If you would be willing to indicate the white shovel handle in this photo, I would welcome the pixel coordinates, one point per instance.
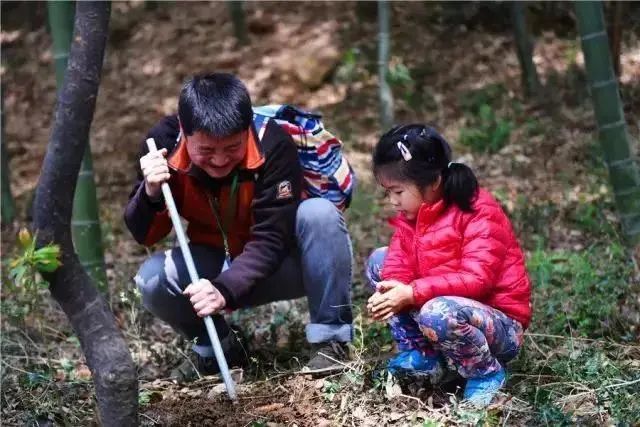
(193, 274)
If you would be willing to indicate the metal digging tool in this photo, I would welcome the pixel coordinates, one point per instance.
(193, 274)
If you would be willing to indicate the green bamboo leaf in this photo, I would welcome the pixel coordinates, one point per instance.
(50, 252)
(47, 265)
(17, 272)
(19, 275)
(25, 238)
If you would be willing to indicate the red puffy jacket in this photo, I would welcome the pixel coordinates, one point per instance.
(448, 252)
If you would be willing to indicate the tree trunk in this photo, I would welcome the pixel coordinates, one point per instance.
(85, 223)
(106, 351)
(386, 96)
(624, 172)
(237, 19)
(524, 47)
(8, 206)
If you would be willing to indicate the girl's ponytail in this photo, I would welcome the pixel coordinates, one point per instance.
(460, 186)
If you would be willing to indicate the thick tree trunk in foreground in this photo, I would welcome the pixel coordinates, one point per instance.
(106, 351)
(624, 172)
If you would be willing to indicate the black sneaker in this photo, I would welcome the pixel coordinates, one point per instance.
(327, 357)
(195, 366)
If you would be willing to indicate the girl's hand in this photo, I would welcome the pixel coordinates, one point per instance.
(391, 297)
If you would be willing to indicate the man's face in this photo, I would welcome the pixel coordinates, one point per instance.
(217, 156)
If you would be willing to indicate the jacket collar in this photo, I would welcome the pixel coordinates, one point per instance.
(427, 215)
(180, 161)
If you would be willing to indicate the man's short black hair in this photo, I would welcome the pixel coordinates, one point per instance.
(217, 104)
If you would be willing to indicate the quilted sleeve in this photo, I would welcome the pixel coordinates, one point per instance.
(398, 265)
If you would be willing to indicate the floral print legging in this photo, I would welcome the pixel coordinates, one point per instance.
(474, 339)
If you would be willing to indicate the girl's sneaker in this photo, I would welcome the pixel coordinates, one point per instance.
(415, 363)
(480, 391)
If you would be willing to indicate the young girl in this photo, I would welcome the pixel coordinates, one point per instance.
(452, 283)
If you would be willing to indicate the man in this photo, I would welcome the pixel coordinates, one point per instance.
(242, 199)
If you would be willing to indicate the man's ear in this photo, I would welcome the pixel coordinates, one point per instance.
(181, 132)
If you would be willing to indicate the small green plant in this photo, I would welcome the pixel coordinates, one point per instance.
(330, 389)
(404, 85)
(487, 131)
(472, 101)
(531, 219)
(146, 397)
(590, 218)
(550, 415)
(25, 281)
(399, 75)
(349, 69)
(534, 127)
(373, 337)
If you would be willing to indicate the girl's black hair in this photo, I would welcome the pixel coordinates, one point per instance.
(427, 156)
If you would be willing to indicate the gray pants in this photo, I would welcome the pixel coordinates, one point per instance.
(318, 266)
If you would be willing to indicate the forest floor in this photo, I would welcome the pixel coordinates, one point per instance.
(581, 362)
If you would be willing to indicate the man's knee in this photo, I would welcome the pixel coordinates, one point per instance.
(438, 319)
(318, 215)
(374, 266)
(149, 278)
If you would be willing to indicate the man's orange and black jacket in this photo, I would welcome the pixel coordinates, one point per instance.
(261, 230)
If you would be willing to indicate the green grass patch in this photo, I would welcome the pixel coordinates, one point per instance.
(579, 293)
(487, 131)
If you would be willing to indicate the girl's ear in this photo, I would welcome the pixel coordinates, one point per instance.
(432, 191)
(436, 185)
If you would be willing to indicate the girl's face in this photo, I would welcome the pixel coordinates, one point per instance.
(406, 197)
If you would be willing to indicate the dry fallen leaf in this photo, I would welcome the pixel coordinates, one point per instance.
(269, 408)
(83, 372)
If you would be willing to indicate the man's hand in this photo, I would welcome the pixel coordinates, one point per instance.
(206, 299)
(155, 170)
(390, 298)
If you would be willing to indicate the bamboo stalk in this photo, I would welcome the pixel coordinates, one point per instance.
(238, 20)
(524, 48)
(624, 172)
(386, 96)
(85, 223)
(8, 205)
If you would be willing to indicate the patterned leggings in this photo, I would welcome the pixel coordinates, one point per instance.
(474, 339)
